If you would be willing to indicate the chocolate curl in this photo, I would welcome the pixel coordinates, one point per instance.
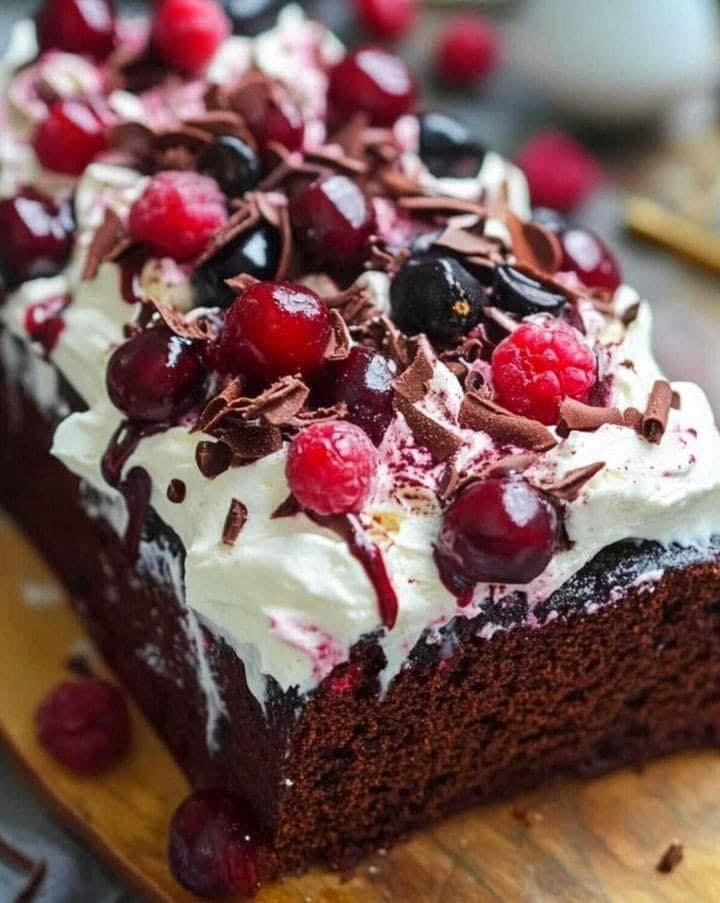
(235, 520)
(575, 415)
(212, 458)
(200, 329)
(532, 244)
(655, 419)
(339, 345)
(413, 383)
(251, 441)
(466, 243)
(220, 405)
(286, 240)
(482, 414)
(278, 404)
(245, 218)
(108, 243)
(633, 419)
(289, 508)
(424, 204)
(571, 485)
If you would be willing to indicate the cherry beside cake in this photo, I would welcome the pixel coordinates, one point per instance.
(360, 471)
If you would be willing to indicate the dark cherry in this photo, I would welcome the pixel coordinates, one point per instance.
(215, 845)
(588, 257)
(446, 147)
(155, 375)
(44, 321)
(333, 220)
(550, 219)
(78, 26)
(364, 382)
(437, 296)
(278, 120)
(498, 530)
(374, 81)
(521, 294)
(84, 724)
(250, 17)
(256, 252)
(36, 236)
(274, 329)
(232, 163)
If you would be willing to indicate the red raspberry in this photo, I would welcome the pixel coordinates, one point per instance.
(389, 19)
(560, 172)
(178, 213)
(468, 50)
(84, 724)
(77, 26)
(331, 467)
(186, 33)
(70, 137)
(539, 365)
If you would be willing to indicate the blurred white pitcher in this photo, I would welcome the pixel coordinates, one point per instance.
(616, 60)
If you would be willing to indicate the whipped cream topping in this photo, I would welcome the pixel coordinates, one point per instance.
(289, 595)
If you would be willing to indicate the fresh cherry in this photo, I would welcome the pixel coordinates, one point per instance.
(589, 258)
(256, 253)
(84, 724)
(85, 27)
(274, 329)
(521, 294)
(70, 137)
(277, 120)
(363, 381)
(215, 845)
(187, 33)
(446, 147)
(437, 296)
(333, 220)
(36, 236)
(374, 81)
(390, 19)
(155, 375)
(497, 530)
(232, 163)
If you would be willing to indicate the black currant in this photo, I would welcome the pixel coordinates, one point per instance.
(232, 163)
(521, 294)
(447, 148)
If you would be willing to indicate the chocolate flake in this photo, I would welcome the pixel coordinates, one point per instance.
(252, 441)
(633, 419)
(108, 237)
(221, 404)
(286, 244)
(245, 218)
(425, 204)
(428, 432)
(501, 318)
(413, 383)
(656, 414)
(213, 458)
(630, 314)
(466, 243)
(339, 345)
(234, 522)
(176, 491)
(279, 403)
(571, 485)
(532, 244)
(288, 508)
(671, 858)
(506, 428)
(198, 329)
(575, 415)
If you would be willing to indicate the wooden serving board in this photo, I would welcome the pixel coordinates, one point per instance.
(574, 840)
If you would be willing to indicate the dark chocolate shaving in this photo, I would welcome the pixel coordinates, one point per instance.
(278, 404)
(448, 482)
(245, 218)
(431, 434)
(425, 204)
(571, 485)
(109, 236)
(235, 520)
(656, 413)
(501, 318)
(176, 491)
(575, 415)
(633, 419)
(213, 458)
(671, 858)
(289, 508)
(286, 243)
(251, 441)
(532, 244)
(412, 384)
(467, 243)
(221, 404)
(339, 345)
(199, 329)
(630, 314)
(482, 414)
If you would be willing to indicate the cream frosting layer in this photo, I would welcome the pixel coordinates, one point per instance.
(289, 595)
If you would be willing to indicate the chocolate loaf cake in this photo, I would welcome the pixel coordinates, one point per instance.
(362, 477)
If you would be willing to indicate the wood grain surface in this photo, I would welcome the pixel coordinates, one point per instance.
(570, 841)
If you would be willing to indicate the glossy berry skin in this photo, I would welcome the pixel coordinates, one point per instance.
(363, 381)
(279, 120)
(589, 258)
(469, 49)
(275, 329)
(559, 171)
(85, 27)
(497, 530)
(331, 468)
(520, 294)
(539, 365)
(70, 137)
(388, 19)
(178, 214)
(437, 296)
(250, 17)
(232, 163)
(446, 147)
(256, 253)
(333, 220)
(374, 81)
(215, 845)
(84, 724)
(36, 237)
(155, 376)
(187, 33)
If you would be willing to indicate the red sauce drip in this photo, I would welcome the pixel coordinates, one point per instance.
(348, 526)
(453, 584)
(44, 321)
